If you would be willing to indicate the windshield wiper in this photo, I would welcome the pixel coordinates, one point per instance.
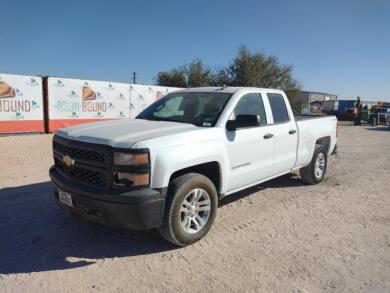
(146, 118)
(168, 119)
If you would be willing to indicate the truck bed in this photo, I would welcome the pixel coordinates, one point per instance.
(307, 117)
(310, 128)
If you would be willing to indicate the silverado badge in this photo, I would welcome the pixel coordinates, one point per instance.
(68, 161)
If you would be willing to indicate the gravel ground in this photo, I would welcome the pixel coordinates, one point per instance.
(281, 236)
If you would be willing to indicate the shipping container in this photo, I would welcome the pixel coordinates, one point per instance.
(344, 105)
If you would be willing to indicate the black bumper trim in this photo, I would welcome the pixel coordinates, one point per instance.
(139, 209)
(118, 195)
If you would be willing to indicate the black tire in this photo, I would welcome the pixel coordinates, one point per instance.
(308, 174)
(178, 190)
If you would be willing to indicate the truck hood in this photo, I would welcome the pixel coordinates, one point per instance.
(122, 133)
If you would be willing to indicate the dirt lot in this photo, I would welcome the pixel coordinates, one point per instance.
(282, 236)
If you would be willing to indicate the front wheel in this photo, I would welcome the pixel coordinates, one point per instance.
(315, 172)
(191, 207)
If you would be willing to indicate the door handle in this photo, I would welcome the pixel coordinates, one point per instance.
(268, 135)
(292, 131)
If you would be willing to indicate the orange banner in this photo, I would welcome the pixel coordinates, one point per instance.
(22, 126)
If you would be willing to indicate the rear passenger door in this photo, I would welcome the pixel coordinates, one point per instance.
(285, 133)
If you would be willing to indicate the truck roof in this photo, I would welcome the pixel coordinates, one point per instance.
(227, 89)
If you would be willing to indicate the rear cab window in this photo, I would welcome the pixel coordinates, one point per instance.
(278, 108)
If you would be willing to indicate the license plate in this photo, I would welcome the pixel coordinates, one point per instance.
(65, 198)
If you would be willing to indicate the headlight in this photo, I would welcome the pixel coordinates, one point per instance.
(132, 169)
(131, 159)
(131, 179)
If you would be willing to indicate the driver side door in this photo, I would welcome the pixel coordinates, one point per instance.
(250, 150)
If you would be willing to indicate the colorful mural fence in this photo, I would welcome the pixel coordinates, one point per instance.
(141, 96)
(75, 101)
(39, 104)
(21, 104)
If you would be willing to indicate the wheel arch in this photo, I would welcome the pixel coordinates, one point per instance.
(211, 170)
(325, 142)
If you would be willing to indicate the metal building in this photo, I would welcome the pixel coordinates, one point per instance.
(317, 102)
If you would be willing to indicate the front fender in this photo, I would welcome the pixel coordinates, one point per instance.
(169, 160)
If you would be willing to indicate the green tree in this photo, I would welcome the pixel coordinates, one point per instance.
(259, 70)
(221, 77)
(198, 74)
(175, 77)
(246, 69)
(195, 74)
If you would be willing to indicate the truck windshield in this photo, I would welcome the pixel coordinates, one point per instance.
(200, 109)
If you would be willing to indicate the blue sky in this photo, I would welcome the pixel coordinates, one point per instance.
(340, 47)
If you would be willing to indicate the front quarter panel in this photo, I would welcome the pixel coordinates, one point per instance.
(171, 154)
(170, 160)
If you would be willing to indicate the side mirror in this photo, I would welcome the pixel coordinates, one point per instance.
(243, 121)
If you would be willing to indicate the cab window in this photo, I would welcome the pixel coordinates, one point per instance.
(279, 108)
(250, 104)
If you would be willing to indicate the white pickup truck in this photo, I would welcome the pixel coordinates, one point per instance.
(167, 168)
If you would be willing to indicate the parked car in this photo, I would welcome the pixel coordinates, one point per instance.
(167, 168)
(382, 113)
(379, 116)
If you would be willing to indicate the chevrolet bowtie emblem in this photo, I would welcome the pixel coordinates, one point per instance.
(68, 161)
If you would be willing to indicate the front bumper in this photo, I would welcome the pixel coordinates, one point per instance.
(139, 209)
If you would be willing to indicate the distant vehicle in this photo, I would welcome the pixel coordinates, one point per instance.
(379, 116)
(167, 168)
(382, 113)
(387, 118)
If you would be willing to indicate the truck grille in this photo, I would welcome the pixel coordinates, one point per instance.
(80, 174)
(76, 153)
(90, 161)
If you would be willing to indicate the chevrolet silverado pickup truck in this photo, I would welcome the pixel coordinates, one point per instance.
(168, 168)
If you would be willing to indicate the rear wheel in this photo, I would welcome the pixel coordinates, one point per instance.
(190, 211)
(314, 173)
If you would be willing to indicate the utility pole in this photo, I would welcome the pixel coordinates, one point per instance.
(134, 74)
